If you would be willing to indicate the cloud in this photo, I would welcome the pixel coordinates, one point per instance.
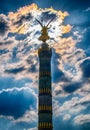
(4, 51)
(21, 15)
(6, 123)
(6, 42)
(69, 67)
(23, 21)
(71, 87)
(65, 46)
(84, 90)
(15, 71)
(24, 40)
(82, 119)
(67, 117)
(33, 128)
(9, 123)
(77, 55)
(85, 68)
(11, 82)
(29, 117)
(71, 104)
(4, 24)
(10, 107)
(17, 60)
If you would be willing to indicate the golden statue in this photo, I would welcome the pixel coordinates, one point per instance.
(44, 32)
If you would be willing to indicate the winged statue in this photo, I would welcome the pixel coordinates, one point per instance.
(44, 31)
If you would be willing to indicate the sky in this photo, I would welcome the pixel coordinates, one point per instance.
(19, 64)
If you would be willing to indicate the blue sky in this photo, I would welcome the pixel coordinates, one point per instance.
(19, 65)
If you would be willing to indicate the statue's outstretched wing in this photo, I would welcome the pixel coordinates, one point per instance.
(50, 22)
(39, 23)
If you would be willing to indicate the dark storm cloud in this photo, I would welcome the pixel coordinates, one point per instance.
(20, 36)
(26, 49)
(33, 68)
(23, 18)
(47, 16)
(15, 70)
(14, 54)
(57, 92)
(6, 43)
(72, 87)
(3, 25)
(16, 103)
(85, 66)
(30, 59)
(4, 51)
(84, 103)
(17, 36)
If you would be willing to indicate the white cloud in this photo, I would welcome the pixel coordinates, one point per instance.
(67, 117)
(29, 117)
(58, 90)
(71, 107)
(15, 89)
(84, 90)
(82, 119)
(8, 117)
(32, 129)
